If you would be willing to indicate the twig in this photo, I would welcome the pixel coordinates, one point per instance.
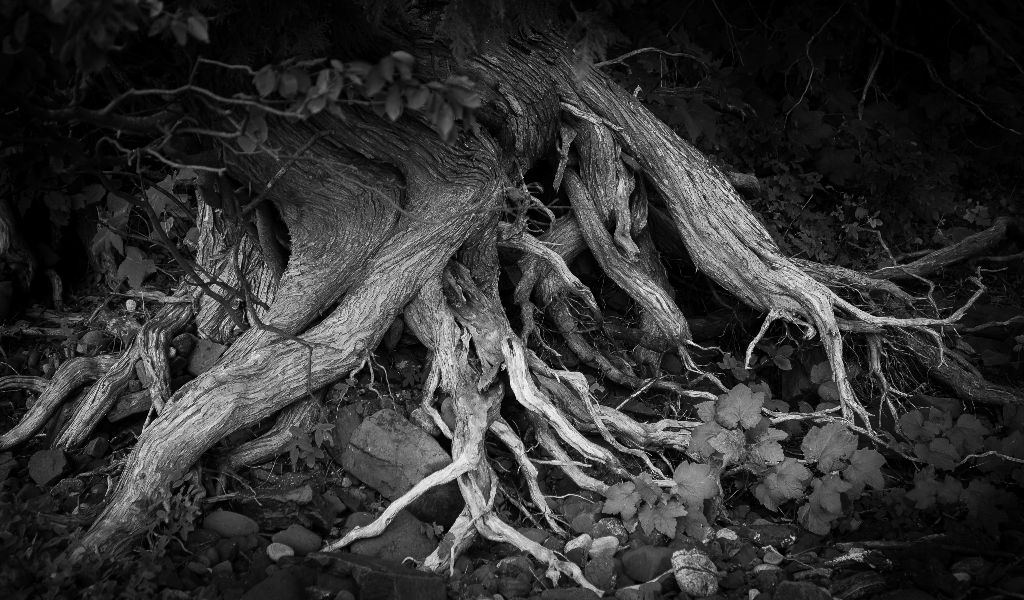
(628, 55)
(807, 51)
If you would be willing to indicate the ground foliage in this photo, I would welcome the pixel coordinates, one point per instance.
(870, 141)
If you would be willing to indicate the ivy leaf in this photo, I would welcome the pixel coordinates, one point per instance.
(732, 445)
(197, 28)
(865, 470)
(829, 446)
(968, 436)
(621, 499)
(988, 505)
(736, 367)
(135, 267)
(393, 104)
(824, 506)
(706, 411)
(821, 373)
(664, 517)
(740, 407)
(787, 481)
(265, 81)
(696, 482)
(939, 452)
(648, 490)
(646, 518)
(700, 446)
(766, 449)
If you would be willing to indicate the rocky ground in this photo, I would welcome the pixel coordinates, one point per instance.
(255, 533)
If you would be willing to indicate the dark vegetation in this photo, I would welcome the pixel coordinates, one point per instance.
(230, 229)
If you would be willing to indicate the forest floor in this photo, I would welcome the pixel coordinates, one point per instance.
(253, 533)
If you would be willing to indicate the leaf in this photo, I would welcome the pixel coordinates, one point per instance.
(939, 452)
(695, 483)
(646, 518)
(700, 446)
(288, 84)
(824, 505)
(393, 105)
(197, 28)
(45, 466)
(648, 490)
(621, 499)
(105, 239)
(445, 122)
(664, 517)
(829, 446)
(968, 436)
(135, 267)
(787, 481)
(865, 470)
(767, 450)
(821, 373)
(732, 445)
(706, 411)
(265, 81)
(740, 407)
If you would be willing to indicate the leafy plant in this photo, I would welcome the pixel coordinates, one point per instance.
(306, 447)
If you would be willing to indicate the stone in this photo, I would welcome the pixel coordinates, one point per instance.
(769, 534)
(383, 579)
(97, 447)
(641, 591)
(534, 534)
(276, 551)
(800, 590)
(604, 546)
(279, 585)
(695, 572)
(204, 356)
(230, 524)
(345, 423)
(773, 556)
(227, 549)
(600, 571)
(733, 580)
(646, 562)
(610, 526)
(578, 547)
(569, 593)
(405, 537)
(391, 455)
(302, 540)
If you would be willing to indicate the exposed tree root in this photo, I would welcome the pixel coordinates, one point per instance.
(384, 218)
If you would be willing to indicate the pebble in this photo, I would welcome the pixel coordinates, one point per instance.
(605, 546)
(300, 539)
(646, 562)
(276, 551)
(695, 572)
(229, 524)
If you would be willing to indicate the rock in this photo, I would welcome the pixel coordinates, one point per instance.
(230, 524)
(46, 466)
(695, 572)
(279, 585)
(641, 591)
(569, 593)
(382, 579)
(201, 539)
(405, 537)
(733, 580)
(600, 571)
(302, 540)
(227, 549)
(769, 534)
(345, 423)
(610, 526)
(97, 447)
(222, 568)
(800, 590)
(604, 546)
(745, 556)
(276, 551)
(358, 519)
(583, 522)
(578, 547)
(534, 534)
(390, 454)
(183, 344)
(863, 584)
(204, 356)
(773, 556)
(646, 562)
